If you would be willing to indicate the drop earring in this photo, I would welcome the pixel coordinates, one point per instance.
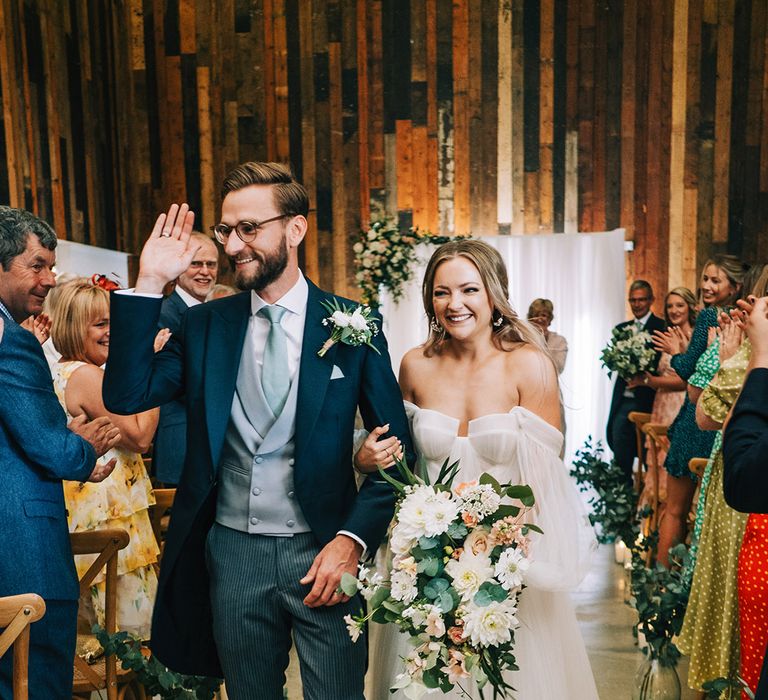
(498, 322)
(435, 326)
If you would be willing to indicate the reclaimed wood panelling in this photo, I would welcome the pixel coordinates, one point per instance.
(495, 116)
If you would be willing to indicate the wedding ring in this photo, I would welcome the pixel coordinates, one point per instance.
(165, 234)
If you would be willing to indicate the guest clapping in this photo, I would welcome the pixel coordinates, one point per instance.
(81, 334)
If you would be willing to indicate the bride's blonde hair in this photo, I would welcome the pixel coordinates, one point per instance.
(489, 263)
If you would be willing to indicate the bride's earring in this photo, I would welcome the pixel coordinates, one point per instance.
(499, 321)
(435, 326)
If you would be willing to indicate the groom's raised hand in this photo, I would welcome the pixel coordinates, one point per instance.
(338, 557)
(168, 251)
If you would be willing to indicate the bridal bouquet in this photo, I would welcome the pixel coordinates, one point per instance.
(459, 561)
(629, 353)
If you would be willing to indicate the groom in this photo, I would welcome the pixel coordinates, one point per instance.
(267, 516)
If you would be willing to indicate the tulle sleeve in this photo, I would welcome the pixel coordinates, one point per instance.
(561, 557)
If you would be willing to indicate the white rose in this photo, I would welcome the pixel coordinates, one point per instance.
(358, 322)
(340, 319)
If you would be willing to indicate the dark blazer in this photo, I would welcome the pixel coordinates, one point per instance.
(169, 446)
(745, 462)
(202, 362)
(643, 394)
(37, 451)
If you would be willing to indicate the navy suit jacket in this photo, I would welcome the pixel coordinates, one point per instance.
(37, 451)
(201, 363)
(170, 447)
(643, 394)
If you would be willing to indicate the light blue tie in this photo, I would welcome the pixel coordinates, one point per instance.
(275, 379)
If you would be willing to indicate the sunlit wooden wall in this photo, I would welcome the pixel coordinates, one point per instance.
(482, 117)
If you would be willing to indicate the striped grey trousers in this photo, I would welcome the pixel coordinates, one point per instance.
(257, 603)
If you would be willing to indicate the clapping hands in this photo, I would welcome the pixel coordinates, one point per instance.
(672, 341)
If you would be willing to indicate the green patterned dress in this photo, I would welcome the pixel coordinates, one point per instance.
(710, 634)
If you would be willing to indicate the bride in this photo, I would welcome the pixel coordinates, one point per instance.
(483, 390)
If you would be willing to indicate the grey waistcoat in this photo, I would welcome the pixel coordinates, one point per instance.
(256, 493)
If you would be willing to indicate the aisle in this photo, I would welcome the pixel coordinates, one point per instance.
(606, 623)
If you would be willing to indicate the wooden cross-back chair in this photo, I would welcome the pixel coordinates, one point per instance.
(104, 674)
(639, 419)
(158, 516)
(17, 613)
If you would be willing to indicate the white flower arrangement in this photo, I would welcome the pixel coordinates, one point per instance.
(384, 257)
(460, 556)
(351, 325)
(629, 353)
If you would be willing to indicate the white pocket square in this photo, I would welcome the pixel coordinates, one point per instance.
(337, 373)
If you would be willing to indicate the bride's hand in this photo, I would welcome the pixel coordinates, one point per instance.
(375, 453)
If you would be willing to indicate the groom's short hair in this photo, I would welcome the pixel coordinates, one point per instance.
(290, 195)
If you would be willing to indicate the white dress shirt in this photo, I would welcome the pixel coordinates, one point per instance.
(186, 297)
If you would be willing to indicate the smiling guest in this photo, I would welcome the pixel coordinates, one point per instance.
(81, 334)
(192, 288)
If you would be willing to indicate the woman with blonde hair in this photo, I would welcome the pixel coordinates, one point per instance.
(483, 390)
(720, 286)
(679, 313)
(80, 333)
(541, 313)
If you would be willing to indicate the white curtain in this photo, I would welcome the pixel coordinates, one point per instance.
(583, 275)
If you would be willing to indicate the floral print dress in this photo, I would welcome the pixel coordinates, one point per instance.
(122, 500)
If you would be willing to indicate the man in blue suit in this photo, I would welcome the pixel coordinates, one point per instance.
(267, 516)
(37, 451)
(192, 287)
(620, 432)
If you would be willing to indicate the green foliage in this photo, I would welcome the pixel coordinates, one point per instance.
(384, 257)
(726, 689)
(629, 353)
(614, 504)
(156, 678)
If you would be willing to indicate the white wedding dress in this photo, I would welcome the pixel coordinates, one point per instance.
(520, 448)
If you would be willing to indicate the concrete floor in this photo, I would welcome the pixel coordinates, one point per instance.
(606, 623)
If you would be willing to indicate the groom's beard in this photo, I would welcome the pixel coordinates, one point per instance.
(269, 266)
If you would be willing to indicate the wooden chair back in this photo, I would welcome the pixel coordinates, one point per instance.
(658, 441)
(639, 419)
(106, 544)
(158, 516)
(17, 613)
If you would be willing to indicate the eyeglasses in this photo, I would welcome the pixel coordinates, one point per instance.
(246, 230)
(200, 264)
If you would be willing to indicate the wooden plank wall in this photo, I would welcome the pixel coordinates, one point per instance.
(487, 117)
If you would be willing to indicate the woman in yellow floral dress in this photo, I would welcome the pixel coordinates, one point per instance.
(80, 333)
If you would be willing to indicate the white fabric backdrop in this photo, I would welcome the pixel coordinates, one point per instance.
(583, 275)
(87, 260)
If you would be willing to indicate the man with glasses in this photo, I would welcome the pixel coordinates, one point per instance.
(267, 516)
(620, 432)
(192, 287)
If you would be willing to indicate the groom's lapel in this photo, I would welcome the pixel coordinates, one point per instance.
(315, 371)
(225, 335)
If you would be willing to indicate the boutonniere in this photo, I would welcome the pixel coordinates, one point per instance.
(350, 325)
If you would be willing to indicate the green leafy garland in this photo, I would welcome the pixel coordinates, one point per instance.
(153, 675)
(385, 256)
(659, 595)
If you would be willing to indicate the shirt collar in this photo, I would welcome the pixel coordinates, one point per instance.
(644, 319)
(5, 311)
(186, 297)
(294, 300)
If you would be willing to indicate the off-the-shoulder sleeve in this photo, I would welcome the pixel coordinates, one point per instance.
(723, 390)
(561, 557)
(684, 363)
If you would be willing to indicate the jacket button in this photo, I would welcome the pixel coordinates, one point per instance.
(256, 491)
(258, 460)
(290, 494)
(254, 521)
(291, 462)
(290, 523)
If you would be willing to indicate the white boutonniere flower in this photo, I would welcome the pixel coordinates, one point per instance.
(350, 325)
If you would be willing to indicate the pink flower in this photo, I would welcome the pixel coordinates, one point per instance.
(456, 670)
(456, 634)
